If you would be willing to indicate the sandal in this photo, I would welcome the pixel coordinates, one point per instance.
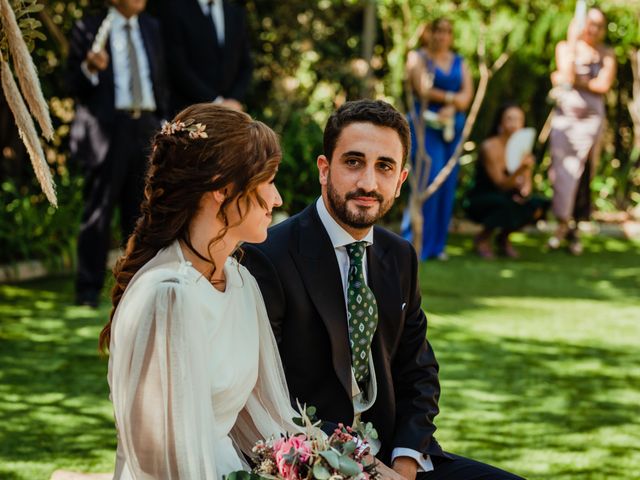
(506, 249)
(482, 246)
(575, 247)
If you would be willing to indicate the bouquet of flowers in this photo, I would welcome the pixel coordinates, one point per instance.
(313, 455)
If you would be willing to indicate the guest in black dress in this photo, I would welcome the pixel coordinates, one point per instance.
(499, 200)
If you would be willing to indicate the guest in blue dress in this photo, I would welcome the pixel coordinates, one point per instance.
(441, 82)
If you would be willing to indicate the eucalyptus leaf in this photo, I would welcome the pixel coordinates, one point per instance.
(332, 458)
(239, 475)
(348, 448)
(348, 466)
(321, 472)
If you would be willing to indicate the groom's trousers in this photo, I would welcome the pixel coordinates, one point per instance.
(461, 468)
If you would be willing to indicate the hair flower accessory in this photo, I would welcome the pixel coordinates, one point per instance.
(195, 130)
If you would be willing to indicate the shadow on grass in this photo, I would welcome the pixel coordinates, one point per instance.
(609, 269)
(560, 404)
(54, 406)
(545, 408)
(504, 398)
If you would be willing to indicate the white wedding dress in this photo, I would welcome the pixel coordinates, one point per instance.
(195, 374)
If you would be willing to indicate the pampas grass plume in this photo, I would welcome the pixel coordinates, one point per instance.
(25, 70)
(28, 133)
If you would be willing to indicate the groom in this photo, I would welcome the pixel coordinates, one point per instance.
(343, 298)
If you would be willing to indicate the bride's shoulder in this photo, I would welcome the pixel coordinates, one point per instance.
(242, 276)
(159, 281)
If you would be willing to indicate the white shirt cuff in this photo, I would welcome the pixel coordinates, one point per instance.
(424, 461)
(92, 77)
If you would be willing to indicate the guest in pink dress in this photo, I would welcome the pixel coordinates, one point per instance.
(586, 69)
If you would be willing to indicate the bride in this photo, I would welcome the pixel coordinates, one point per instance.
(194, 371)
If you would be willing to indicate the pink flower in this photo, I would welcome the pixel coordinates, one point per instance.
(283, 446)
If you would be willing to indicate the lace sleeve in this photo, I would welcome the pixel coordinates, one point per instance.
(160, 392)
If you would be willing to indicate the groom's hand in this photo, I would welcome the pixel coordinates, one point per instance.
(406, 467)
(387, 473)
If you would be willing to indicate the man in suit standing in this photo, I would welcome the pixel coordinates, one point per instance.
(344, 300)
(208, 50)
(120, 93)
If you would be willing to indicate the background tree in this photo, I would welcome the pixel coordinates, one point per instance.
(310, 57)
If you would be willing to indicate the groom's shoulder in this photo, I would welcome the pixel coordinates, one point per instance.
(391, 241)
(275, 249)
(280, 236)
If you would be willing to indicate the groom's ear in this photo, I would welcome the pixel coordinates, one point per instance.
(403, 176)
(323, 169)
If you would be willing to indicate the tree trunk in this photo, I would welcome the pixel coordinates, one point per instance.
(368, 42)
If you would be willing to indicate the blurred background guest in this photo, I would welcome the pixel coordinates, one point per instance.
(500, 200)
(586, 69)
(208, 49)
(447, 94)
(120, 93)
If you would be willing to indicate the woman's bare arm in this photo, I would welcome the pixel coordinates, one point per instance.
(602, 83)
(463, 98)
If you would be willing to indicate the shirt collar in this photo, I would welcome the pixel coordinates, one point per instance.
(119, 20)
(204, 4)
(338, 235)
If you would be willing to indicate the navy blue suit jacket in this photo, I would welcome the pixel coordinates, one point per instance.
(300, 281)
(91, 129)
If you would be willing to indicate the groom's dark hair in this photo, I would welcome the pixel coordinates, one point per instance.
(377, 112)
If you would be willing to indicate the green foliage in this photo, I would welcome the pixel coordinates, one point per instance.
(528, 31)
(298, 175)
(29, 26)
(243, 475)
(308, 58)
(31, 228)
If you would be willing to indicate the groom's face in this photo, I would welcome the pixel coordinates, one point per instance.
(363, 178)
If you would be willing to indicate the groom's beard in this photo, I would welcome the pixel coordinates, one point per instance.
(357, 217)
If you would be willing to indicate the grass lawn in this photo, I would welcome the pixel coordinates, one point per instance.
(540, 366)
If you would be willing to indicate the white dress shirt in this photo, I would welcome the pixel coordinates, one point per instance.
(217, 13)
(340, 239)
(121, 67)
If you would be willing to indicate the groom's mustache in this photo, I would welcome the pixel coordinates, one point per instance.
(362, 193)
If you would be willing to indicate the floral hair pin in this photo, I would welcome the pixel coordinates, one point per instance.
(195, 130)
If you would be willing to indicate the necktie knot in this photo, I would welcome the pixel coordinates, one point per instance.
(356, 252)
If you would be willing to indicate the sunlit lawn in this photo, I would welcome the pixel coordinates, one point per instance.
(540, 358)
(540, 366)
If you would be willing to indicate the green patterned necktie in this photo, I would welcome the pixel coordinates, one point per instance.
(362, 313)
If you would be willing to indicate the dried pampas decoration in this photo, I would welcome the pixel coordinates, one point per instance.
(28, 132)
(25, 70)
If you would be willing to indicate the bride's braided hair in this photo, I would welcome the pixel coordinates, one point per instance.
(236, 153)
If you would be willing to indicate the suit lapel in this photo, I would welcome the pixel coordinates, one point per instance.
(316, 261)
(108, 74)
(149, 48)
